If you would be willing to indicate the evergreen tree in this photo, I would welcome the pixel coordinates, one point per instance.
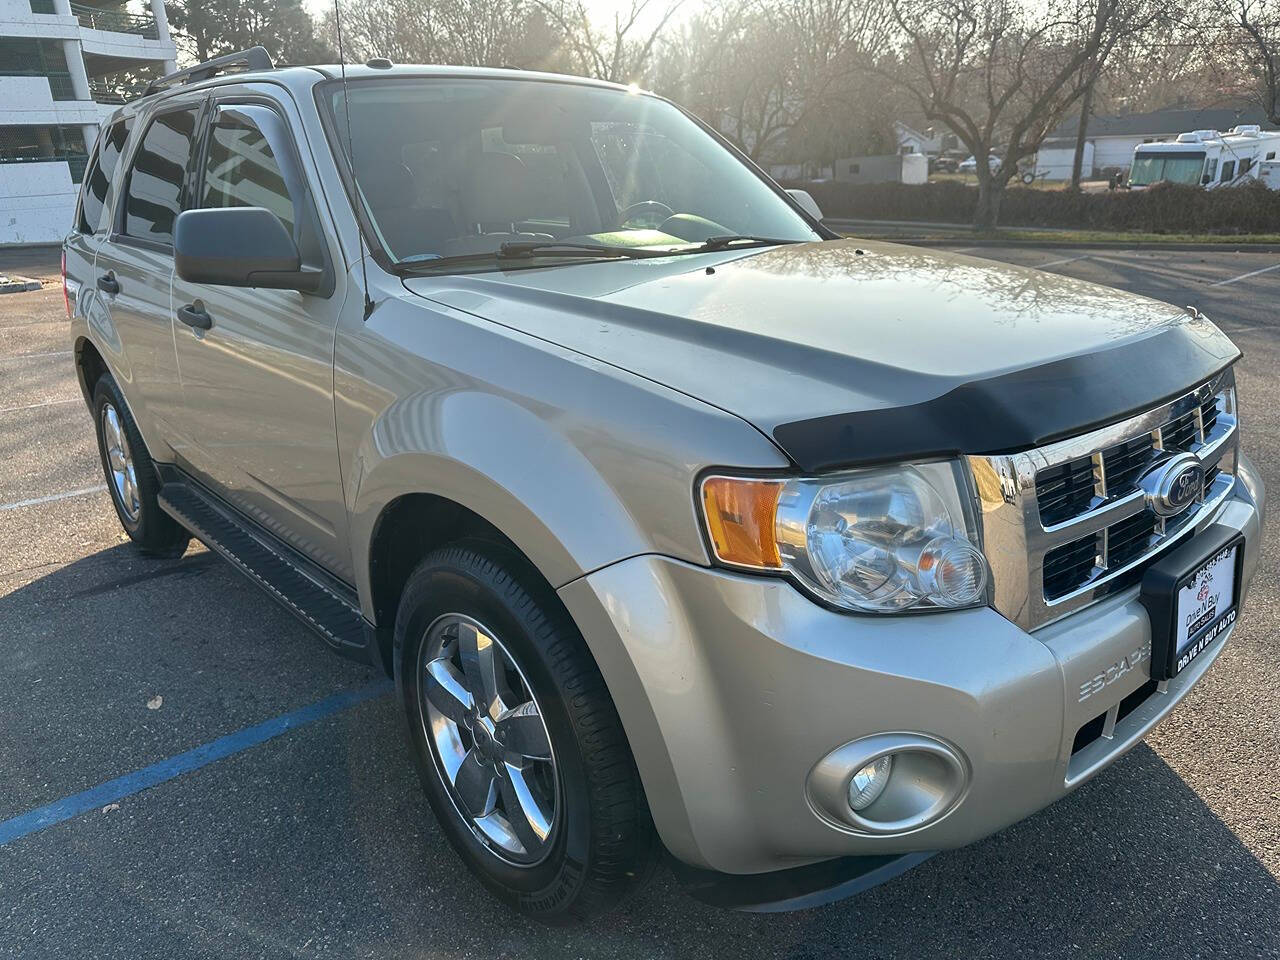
(207, 28)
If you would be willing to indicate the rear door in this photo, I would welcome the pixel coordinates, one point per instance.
(92, 224)
(258, 421)
(134, 266)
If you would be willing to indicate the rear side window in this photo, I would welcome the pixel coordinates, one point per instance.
(154, 196)
(242, 171)
(97, 181)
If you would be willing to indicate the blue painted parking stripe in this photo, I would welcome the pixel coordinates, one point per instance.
(176, 766)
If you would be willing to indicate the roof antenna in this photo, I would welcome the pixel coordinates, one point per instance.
(351, 157)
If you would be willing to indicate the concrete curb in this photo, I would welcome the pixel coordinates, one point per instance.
(18, 284)
(865, 229)
(1080, 245)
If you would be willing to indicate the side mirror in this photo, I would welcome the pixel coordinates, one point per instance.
(807, 203)
(239, 247)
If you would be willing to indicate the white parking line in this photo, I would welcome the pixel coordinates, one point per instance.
(1054, 263)
(32, 406)
(35, 501)
(33, 356)
(1246, 276)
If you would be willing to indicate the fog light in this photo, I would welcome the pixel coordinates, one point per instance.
(868, 783)
(888, 784)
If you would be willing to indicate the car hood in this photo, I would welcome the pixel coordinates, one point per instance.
(852, 351)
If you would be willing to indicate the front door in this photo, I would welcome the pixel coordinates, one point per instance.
(258, 419)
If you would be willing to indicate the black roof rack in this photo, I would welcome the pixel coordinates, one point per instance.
(255, 58)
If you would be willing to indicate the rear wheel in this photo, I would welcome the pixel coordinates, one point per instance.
(516, 741)
(131, 475)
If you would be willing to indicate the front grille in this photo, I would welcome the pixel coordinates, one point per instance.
(1077, 486)
(1068, 522)
(1065, 490)
(1129, 539)
(1068, 489)
(1074, 563)
(1068, 566)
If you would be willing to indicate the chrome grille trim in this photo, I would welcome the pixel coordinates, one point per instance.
(1017, 541)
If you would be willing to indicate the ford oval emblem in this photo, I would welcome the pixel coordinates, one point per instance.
(1174, 485)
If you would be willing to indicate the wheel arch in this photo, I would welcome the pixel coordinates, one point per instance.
(406, 529)
(90, 366)
(398, 519)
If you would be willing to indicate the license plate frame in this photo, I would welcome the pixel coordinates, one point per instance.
(1163, 584)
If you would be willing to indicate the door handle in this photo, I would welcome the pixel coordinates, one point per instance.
(108, 283)
(194, 315)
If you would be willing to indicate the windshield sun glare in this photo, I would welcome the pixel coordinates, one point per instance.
(464, 166)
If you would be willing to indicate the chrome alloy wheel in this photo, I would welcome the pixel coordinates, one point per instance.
(490, 742)
(120, 462)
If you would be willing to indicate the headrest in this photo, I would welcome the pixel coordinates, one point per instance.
(498, 190)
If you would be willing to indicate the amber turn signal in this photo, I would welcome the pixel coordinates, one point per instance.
(740, 515)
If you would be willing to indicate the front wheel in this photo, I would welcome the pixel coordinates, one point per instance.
(515, 738)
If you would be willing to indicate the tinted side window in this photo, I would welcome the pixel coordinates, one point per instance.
(154, 196)
(97, 181)
(242, 171)
(92, 199)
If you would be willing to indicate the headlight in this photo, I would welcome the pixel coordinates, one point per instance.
(878, 540)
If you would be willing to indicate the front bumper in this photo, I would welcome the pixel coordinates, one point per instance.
(731, 688)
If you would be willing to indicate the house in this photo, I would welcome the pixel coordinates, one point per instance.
(63, 67)
(930, 143)
(1110, 141)
(911, 140)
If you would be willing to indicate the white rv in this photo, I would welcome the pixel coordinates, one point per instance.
(1210, 159)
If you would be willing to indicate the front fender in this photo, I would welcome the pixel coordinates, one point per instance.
(502, 462)
(578, 463)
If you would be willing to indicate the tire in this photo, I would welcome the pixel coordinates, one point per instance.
(598, 841)
(124, 455)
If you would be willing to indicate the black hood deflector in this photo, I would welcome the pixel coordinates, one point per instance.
(1017, 410)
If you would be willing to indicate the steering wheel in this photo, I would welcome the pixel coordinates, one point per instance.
(655, 208)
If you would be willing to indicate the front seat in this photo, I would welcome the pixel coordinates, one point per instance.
(499, 195)
(408, 230)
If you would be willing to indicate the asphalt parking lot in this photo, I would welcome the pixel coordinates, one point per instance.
(318, 842)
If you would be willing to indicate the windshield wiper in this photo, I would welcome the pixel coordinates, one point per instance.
(519, 249)
(529, 249)
(720, 243)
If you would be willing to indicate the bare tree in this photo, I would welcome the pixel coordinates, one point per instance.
(622, 52)
(1257, 26)
(406, 31)
(778, 75)
(490, 33)
(734, 66)
(1002, 72)
(1171, 63)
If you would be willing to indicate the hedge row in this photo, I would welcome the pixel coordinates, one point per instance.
(1163, 208)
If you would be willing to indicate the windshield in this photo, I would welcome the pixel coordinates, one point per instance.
(1151, 168)
(457, 167)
